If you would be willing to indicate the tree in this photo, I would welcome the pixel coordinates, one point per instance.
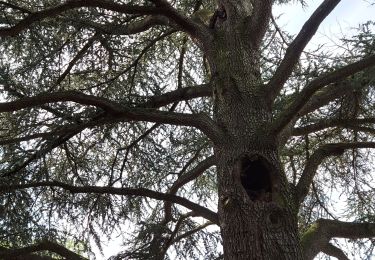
(148, 112)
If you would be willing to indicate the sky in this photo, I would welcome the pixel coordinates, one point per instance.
(347, 15)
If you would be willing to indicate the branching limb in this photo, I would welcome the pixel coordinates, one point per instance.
(180, 94)
(200, 121)
(323, 124)
(197, 209)
(316, 238)
(162, 8)
(48, 148)
(297, 46)
(316, 159)
(327, 94)
(319, 99)
(187, 177)
(76, 58)
(45, 245)
(129, 28)
(303, 97)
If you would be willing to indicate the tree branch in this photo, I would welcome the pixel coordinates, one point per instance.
(45, 245)
(295, 49)
(323, 124)
(180, 94)
(316, 159)
(199, 210)
(259, 20)
(187, 177)
(128, 29)
(191, 232)
(317, 237)
(200, 121)
(77, 57)
(334, 251)
(164, 9)
(327, 94)
(303, 97)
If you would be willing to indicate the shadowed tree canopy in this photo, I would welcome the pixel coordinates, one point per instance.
(190, 129)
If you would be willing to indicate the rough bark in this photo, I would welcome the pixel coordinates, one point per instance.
(256, 215)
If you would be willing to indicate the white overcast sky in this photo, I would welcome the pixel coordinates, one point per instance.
(347, 15)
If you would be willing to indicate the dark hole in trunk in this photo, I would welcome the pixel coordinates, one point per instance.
(256, 179)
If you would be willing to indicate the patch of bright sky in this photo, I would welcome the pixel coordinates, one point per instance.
(347, 15)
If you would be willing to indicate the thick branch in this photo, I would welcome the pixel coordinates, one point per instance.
(259, 20)
(297, 46)
(168, 11)
(316, 159)
(200, 121)
(303, 97)
(180, 94)
(130, 28)
(42, 246)
(334, 251)
(317, 237)
(325, 95)
(199, 210)
(319, 99)
(323, 124)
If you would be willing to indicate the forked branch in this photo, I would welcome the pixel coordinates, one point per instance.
(116, 110)
(295, 49)
(316, 159)
(292, 111)
(183, 22)
(186, 178)
(316, 238)
(355, 123)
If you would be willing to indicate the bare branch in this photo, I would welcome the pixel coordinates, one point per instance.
(303, 97)
(316, 159)
(199, 210)
(41, 246)
(297, 46)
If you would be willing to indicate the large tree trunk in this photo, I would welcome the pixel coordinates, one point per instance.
(257, 216)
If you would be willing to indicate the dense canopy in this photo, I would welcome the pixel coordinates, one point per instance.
(109, 125)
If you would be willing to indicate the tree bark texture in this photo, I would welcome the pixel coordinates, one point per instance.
(256, 213)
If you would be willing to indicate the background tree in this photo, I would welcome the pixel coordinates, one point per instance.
(139, 117)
